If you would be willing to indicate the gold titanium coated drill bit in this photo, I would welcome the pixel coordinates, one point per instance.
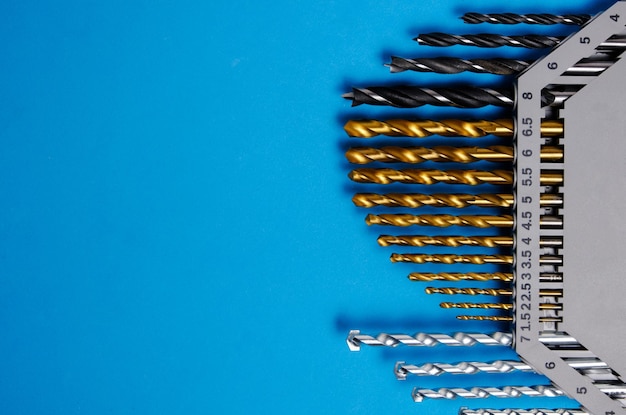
(475, 259)
(452, 259)
(447, 154)
(461, 276)
(465, 177)
(444, 128)
(403, 370)
(420, 395)
(507, 318)
(456, 241)
(356, 339)
(415, 200)
(469, 291)
(497, 306)
(549, 292)
(542, 411)
(538, 19)
(444, 221)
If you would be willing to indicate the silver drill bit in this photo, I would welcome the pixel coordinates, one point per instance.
(506, 392)
(402, 369)
(465, 411)
(513, 18)
(356, 339)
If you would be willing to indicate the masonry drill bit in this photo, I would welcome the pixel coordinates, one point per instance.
(506, 392)
(403, 370)
(452, 259)
(456, 241)
(542, 411)
(418, 176)
(461, 276)
(513, 18)
(413, 96)
(447, 154)
(488, 40)
(445, 128)
(442, 221)
(356, 339)
(497, 306)
(453, 200)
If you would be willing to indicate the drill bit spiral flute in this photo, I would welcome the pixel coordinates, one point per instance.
(532, 207)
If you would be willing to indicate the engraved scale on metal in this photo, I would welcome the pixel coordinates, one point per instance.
(593, 233)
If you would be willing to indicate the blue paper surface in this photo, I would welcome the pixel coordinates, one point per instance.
(177, 230)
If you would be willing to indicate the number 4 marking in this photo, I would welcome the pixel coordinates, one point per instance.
(614, 17)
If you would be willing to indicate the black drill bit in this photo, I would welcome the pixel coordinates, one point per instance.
(495, 66)
(446, 65)
(488, 40)
(414, 96)
(512, 18)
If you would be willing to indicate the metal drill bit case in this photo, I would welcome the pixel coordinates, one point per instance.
(590, 274)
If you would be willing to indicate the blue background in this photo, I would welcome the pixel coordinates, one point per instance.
(177, 234)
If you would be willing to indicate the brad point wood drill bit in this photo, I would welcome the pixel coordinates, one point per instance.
(465, 411)
(488, 40)
(458, 240)
(416, 200)
(461, 276)
(538, 19)
(466, 177)
(403, 370)
(506, 392)
(414, 96)
(494, 66)
(416, 155)
(356, 339)
(444, 128)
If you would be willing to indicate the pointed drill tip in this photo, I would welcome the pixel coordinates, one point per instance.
(400, 374)
(348, 95)
(417, 396)
(353, 344)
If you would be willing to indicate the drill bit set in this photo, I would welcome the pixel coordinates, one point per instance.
(547, 249)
